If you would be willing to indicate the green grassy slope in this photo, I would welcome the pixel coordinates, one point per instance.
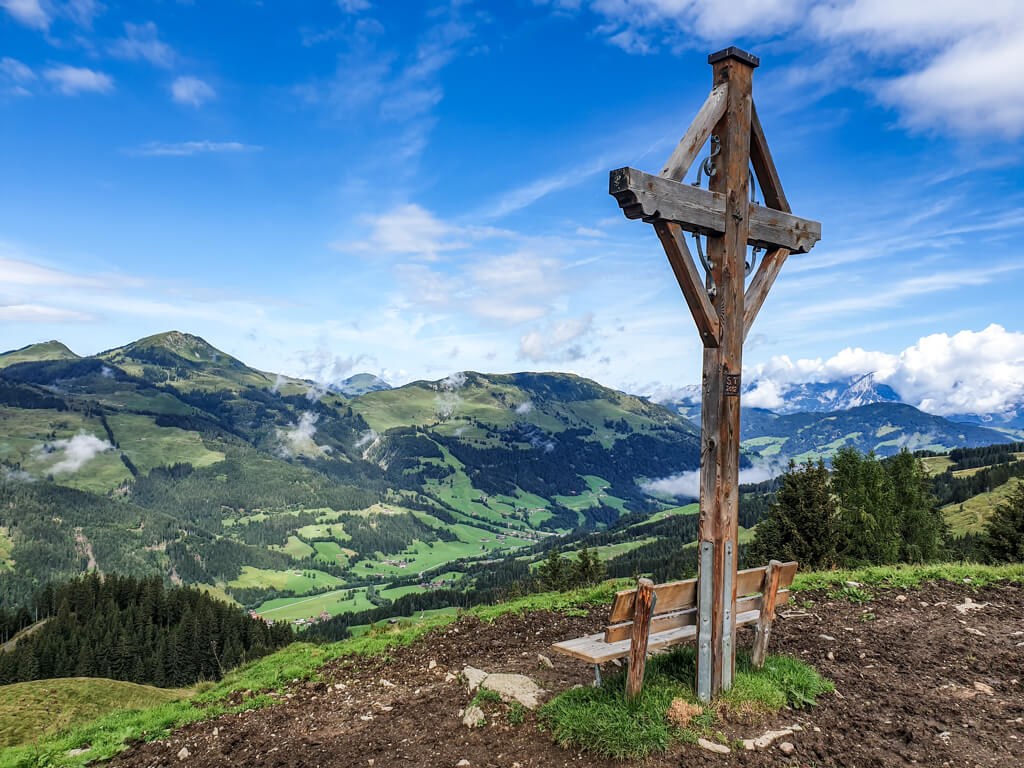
(41, 708)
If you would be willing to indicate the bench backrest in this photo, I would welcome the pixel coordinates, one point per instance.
(676, 603)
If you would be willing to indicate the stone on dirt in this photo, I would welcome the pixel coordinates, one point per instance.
(514, 688)
(713, 746)
(979, 686)
(462, 762)
(545, 661)
(787, 748)
(432, 664)
(183, 753)
(473, 717)
(969, 605)
(473, 677)
(766, 739)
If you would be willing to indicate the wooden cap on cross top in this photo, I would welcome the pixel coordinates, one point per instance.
(732, 52)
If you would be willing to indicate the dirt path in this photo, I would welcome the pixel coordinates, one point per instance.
(905, 678)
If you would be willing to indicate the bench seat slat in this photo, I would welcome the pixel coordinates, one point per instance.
(595, 650)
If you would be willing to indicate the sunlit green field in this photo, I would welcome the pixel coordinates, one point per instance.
(297, 581)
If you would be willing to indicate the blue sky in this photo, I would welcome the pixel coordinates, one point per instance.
(416, 188)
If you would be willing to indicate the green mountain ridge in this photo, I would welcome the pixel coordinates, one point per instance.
(181, 460)
(46, 350)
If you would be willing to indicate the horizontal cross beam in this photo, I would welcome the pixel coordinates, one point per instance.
(652, 198)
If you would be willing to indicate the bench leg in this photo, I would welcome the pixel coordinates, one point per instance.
(767, 614)
(643, 608)
(597, 675)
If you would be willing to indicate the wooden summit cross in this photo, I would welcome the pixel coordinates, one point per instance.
(724, 312)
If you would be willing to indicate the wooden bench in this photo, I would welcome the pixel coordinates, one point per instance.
(668, 616)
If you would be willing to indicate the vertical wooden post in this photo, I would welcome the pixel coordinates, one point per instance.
(720, 410)
(643, 608)
(767, 615)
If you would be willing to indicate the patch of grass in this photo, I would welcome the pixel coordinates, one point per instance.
(910, 576)
(853, 594)
(42, 707)
(601, 720)
(484, 694)
(516, 713)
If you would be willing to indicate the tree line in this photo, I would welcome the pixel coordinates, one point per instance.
(125, 628)
(871, 512)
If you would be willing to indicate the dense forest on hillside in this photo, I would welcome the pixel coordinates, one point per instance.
(132, 629)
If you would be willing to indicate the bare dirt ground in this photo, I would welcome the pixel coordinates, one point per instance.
(917, 683)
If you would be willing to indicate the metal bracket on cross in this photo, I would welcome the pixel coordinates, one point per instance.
(723, 307)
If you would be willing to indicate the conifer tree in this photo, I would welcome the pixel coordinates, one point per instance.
(869, 526)
(553, 571)
(923, 529)
(801, 525)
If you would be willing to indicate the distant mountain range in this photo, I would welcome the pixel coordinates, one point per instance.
(816, 419)
(169, 455)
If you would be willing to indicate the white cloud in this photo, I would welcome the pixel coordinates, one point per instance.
(938, 56)
(957, 90)
(141, 41)
(411, 230)
(74, 452)
(297, 438)
(82, 12)
(192, 91)
(353, 6)
(39, 313)
(558, 342)
(187, 148)
(18, 272)
(28, 12)
(73, 80)
(765, 394)
(524, 407)
(969, 372)
(15, 71)
(688, 483)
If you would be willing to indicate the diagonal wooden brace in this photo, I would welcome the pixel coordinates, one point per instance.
(764, 166)
(700, 129)
(696, 295)
(759, 286)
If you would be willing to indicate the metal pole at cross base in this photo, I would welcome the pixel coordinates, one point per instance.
(724, 308)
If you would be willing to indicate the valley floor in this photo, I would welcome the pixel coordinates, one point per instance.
(917, 681)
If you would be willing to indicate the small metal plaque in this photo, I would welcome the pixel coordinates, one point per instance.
(732, 384)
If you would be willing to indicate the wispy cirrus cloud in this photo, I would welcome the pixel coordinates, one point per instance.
(41, 313)
(142, 42)
(189, 148)
(937, 55)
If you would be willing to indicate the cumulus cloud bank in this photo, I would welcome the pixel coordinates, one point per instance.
(978, 372)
